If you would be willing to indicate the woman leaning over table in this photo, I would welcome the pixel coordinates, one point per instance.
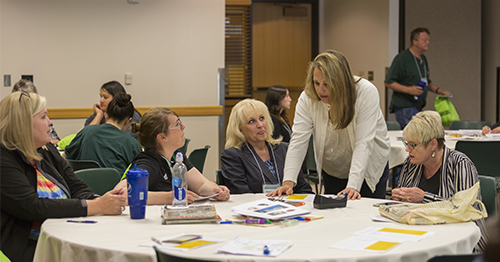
(432, 171)
(253, 161)
(351, 145)
(36, 182)
(161, 135)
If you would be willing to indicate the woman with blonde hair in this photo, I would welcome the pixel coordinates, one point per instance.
(253, 161)
(351, 145)
(37, 183)
(432, 171)
(161, 135)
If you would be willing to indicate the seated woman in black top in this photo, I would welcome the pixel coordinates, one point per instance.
(278, 101)
(161, 134)
(253, 161)
(36, 182)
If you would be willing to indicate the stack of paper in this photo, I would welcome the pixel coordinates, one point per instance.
(191, 214)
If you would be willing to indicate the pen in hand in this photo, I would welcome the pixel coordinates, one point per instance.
(82, 221)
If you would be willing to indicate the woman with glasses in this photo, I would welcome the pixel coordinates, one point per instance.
(253, 161)
(432, 171)
(341, 112)
(108, 144)
(161, 135)
(107, 92)
(36, 182)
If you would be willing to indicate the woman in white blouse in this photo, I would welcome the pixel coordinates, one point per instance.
(351, 145)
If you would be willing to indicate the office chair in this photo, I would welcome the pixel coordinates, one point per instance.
(488, 187)
(197, 157)
(101, 180)
(82, 164)
(218, 178)
(454, 258)
(392, 125)
(484, 154)
(185, 146)
(312, 172)
(164, 257)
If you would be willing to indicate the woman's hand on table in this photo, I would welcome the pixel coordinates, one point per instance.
(111, 203)
(408, 194)
(224, 194)
(286, 188)
(351, 193)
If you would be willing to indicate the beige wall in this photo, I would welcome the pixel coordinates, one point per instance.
(172, 48)
(455, 51)
(490, 57)
(360, 30)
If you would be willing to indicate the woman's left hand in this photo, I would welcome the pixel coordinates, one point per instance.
(408, 194)
(351, 193)
(224, 193)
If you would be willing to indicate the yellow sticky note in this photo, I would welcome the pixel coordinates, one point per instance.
(300, 197)
(403, 231)
(382, 246)
(196, 243)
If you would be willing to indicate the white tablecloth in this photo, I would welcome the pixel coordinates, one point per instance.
(117, 238)
(398, 152)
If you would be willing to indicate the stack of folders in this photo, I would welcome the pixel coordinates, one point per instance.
(190, 215)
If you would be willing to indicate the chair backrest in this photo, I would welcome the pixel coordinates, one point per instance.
(185, 146)
(164, 257)
(218, 178)
(454, 258)
(484, 154)
(311, 162)
(392, 125)
(101, 180)
(488, 187)
(197, 157)
(82, 164)
(456, 125)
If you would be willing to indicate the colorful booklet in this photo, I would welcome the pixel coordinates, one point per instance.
(191, 214)
(268, 209)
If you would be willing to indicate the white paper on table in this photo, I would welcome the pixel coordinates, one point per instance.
(379, 218)
(206, 197)
(389, 234)
(181, 247)
(367, 243)
(242, 246)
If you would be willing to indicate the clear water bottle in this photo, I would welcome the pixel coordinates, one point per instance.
(179, 183)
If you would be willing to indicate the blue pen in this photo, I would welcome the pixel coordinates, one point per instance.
(266, 250)
(82, 221)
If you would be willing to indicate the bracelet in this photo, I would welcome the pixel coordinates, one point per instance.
(437, 90)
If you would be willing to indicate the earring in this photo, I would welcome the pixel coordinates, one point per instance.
(433, 155)
(165, 140)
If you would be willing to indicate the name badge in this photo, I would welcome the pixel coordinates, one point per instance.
(268, 188)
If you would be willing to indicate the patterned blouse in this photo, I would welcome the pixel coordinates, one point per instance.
(458, 173)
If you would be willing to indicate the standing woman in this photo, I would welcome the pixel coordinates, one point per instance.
(36, 182)
(351, 145)
(108, 91)
(278, 101)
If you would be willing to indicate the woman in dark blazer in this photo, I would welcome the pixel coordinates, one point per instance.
(253, 161)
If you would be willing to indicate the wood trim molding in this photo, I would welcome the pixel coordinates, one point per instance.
(71, 113)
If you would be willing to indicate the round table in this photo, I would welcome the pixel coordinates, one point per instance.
(117, 238)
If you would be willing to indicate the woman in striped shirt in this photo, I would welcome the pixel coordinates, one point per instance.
(432, 171)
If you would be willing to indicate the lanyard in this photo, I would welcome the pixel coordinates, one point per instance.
(165, 176)
(258, 165)
(418, 68)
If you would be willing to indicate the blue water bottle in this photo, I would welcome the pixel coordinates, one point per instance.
(179, 183)
(138, 181)
(423, 85)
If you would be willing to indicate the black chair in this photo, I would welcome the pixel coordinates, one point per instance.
(197, 157)
(82, 164)
(454, 258)
(101, 180)
(312, 173)
(488, 187)
(484, 154)
(392, 125)
(456, 125)
(164, 257)
(218, 178)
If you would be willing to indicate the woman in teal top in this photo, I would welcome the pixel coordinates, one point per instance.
(108, 144)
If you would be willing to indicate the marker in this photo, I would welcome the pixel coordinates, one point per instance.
(82, 221)
(246, 221)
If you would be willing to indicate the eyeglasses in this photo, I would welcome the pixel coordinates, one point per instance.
(178, 125)
(24, 93)
(411, 146)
